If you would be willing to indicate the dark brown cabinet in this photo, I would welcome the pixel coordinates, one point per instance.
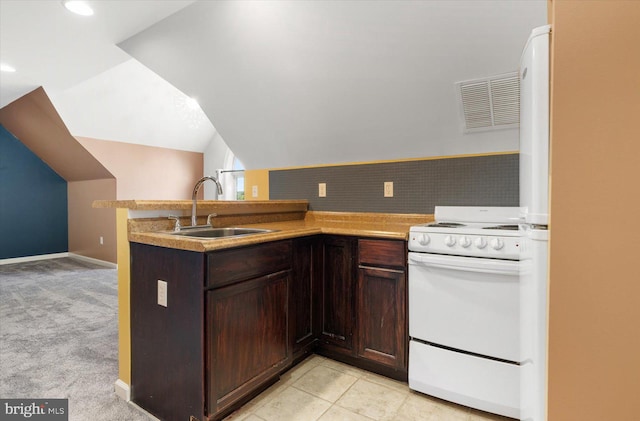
(237, 318)
(229, 266)
(247, 338)
(364, 304)
(246, 333)
(338, 294)
(167, 343)
(223, 335)
(306, 287)
(381, 335)
(382, 328)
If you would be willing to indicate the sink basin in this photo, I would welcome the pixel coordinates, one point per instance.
(220, 232)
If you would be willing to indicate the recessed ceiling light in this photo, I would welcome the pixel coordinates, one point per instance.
(7, 68)
(192, 103)
(78, 7)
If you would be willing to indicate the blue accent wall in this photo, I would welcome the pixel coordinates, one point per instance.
(33, 203)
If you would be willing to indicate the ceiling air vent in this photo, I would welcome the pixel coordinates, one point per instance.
(490, 103)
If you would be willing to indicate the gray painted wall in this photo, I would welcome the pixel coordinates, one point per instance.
(297, 83)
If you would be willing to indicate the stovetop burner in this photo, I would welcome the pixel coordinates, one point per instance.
(502, 227)
(508, 227)
(446, 225)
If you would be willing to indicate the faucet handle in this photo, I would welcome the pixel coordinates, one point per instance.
(177, 227)
(209, 217)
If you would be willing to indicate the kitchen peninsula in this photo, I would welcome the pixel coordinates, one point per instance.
(239, 311)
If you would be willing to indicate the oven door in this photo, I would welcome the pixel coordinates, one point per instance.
(465, 303)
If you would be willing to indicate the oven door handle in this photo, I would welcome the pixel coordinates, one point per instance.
(469, 264)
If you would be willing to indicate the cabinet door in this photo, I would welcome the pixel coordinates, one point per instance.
(382, 335)
(338, 299)
(247, 337)
(305, 287)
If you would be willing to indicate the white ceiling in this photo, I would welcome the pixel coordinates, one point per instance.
(51, 47)
(98, 89)
(130, 103)
(284, 82)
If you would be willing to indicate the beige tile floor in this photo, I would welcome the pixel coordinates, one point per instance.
(320, 389)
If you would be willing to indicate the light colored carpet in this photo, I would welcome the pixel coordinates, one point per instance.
(59, 338)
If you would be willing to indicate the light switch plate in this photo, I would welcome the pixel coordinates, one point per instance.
(254, 191)
(388, 189)
(322, 189)
(162, 293)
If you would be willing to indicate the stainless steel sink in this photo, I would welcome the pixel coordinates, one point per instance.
(220, 232)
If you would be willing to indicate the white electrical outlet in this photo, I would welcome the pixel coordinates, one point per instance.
(254, 191)
(101, 240)
(322, 189)
(162, 293)
(388, 189)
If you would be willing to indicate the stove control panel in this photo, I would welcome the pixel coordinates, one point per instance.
(498, 247)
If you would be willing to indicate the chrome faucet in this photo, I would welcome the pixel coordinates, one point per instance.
(195, 193)
(177, 226)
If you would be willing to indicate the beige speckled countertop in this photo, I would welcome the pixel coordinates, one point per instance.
(288, 219)
(221, 207)
(377, 225)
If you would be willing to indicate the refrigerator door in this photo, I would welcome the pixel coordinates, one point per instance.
(534, 128)
(533, 323)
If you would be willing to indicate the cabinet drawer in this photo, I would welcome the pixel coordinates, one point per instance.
(225, 267)
(384, 253)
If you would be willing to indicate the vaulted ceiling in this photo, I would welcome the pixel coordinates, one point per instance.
(285, 83)
(53, 48)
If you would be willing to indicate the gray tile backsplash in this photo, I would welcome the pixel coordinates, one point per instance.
(418, 185)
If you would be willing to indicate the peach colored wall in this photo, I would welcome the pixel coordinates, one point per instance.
(86, 224)
(594, 302)
(147, 172)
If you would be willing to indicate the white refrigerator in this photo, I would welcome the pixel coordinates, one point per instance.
(534, 203)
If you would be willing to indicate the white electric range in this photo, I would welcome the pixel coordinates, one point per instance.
(464, 308)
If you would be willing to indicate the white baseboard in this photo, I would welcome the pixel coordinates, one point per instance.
(58, 256)
(33, 258)
(122, 390)
(94, 261)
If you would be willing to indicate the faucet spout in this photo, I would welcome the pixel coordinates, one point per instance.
(195, 194)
